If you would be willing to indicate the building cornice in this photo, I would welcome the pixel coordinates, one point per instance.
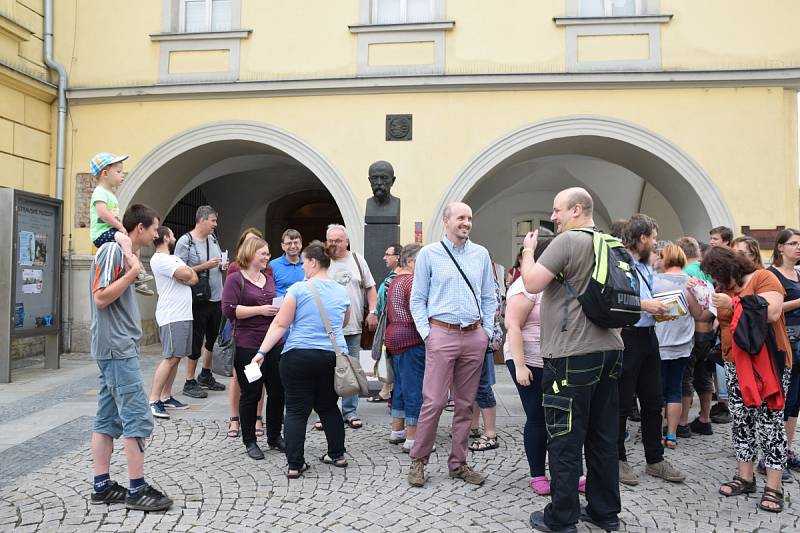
(26, 83)
(14, 30)
(786, 78)
(413, 26)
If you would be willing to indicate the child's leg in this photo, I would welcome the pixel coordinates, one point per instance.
(124, 241)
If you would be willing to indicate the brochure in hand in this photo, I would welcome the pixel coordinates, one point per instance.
(675, 302)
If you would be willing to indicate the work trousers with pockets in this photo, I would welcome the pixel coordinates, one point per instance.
(581, 408)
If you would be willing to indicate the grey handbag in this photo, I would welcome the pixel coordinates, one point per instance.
(225, 348)
(348, 377)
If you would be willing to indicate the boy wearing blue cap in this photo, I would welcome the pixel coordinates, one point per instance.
(104, 221)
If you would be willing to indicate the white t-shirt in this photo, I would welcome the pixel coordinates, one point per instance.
(174, 299)
(345, 272)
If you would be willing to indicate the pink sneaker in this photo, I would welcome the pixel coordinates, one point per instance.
(582, 485)
(540, 485)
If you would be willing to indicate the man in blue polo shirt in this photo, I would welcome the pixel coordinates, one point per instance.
(288, 268)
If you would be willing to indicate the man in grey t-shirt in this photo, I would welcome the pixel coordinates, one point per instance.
(352, 272)
(122, 407)
(579, 379)
(200, 250)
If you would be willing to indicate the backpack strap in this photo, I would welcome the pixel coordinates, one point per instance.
(571, 292)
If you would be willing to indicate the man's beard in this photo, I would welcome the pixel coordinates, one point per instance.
(644, 255)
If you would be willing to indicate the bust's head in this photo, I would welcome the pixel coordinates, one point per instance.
(381, 179)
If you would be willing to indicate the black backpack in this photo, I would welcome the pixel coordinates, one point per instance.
(611, 299)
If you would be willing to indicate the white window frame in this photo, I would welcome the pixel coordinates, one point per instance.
(209, 10)
(608, 8)
(404, 12)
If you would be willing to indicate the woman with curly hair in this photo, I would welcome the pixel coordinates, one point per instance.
(760, 426)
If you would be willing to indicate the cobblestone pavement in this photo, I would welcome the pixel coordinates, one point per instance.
(217, 488)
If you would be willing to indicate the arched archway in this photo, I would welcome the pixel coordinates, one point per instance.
(206, 152)
(562, 152)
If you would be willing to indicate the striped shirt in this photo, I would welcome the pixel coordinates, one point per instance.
(440, 292)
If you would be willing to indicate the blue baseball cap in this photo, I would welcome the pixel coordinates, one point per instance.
(102, 160)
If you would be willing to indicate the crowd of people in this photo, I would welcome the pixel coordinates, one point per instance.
(710, 320)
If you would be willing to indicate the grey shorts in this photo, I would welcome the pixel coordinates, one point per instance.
(176, 339)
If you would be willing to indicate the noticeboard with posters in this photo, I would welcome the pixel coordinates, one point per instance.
(36, 260)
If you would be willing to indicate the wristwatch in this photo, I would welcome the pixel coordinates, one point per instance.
(373, 312)
(262, 354)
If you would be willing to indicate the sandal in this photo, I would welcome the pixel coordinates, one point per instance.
(670, 441)
(475, 433)
(234, 433)
(739, 486)
(377, 398)
(354, 422)
(294, 474)
(540, 485)
(341, 462)
(259, 431)
(484, 443)
(771, 495)
(451, 406)
(318, 425)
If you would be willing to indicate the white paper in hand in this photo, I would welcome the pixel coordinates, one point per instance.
(277, 301)
(252, 372)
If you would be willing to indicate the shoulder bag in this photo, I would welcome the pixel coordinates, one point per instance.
(201, 291)
(225, 348)
(497, 333)
(348, 377)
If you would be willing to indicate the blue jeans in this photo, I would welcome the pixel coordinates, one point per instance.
(722, 385)
(350, 404)
(534, 435)
(672, 379)
(485, 397)
(409, 371)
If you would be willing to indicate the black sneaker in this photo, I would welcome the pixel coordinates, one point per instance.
(114, 493)
(158, 410)
(148, 499)
(209, 382)
(277, 444)
(608, 525)
(193, 390)
(722, 416)
(684, 432)
(701, 428)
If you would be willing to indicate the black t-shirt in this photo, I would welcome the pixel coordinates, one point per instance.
(792, 289)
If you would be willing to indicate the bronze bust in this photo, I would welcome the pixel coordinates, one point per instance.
(382, 207)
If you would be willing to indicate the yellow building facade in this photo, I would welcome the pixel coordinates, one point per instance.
(272, 111)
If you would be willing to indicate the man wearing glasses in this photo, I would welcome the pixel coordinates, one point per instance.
(288, 268)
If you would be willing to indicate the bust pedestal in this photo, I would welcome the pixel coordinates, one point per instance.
(381, 229)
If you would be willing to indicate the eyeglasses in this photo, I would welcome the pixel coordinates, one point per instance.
(388, 255)
(337, 241)
(793, 244)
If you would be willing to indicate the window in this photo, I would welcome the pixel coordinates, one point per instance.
(610, 8)
(205, 15)
(402, 11)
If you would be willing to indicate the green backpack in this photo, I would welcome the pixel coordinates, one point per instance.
(611, 299)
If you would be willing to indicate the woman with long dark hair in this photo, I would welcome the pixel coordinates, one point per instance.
(785, 258)
(754, 427)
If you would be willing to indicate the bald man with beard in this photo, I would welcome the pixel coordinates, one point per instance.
(579, 381)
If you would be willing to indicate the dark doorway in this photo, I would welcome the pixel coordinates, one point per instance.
(309, 212)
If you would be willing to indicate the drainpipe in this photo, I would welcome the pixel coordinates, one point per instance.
(50, 61)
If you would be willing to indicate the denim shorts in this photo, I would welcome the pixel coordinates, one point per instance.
(485, 396)
(122, 405)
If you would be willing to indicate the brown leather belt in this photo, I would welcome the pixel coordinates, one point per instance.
(457, 327)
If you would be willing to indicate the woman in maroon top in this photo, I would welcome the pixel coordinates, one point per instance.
(247, 300)
(408, 352)
(233, 389)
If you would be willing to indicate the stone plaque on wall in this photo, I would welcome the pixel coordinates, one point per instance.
(398, 127)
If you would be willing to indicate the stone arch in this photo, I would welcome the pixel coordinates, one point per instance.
(568, 130)
(254, 132)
